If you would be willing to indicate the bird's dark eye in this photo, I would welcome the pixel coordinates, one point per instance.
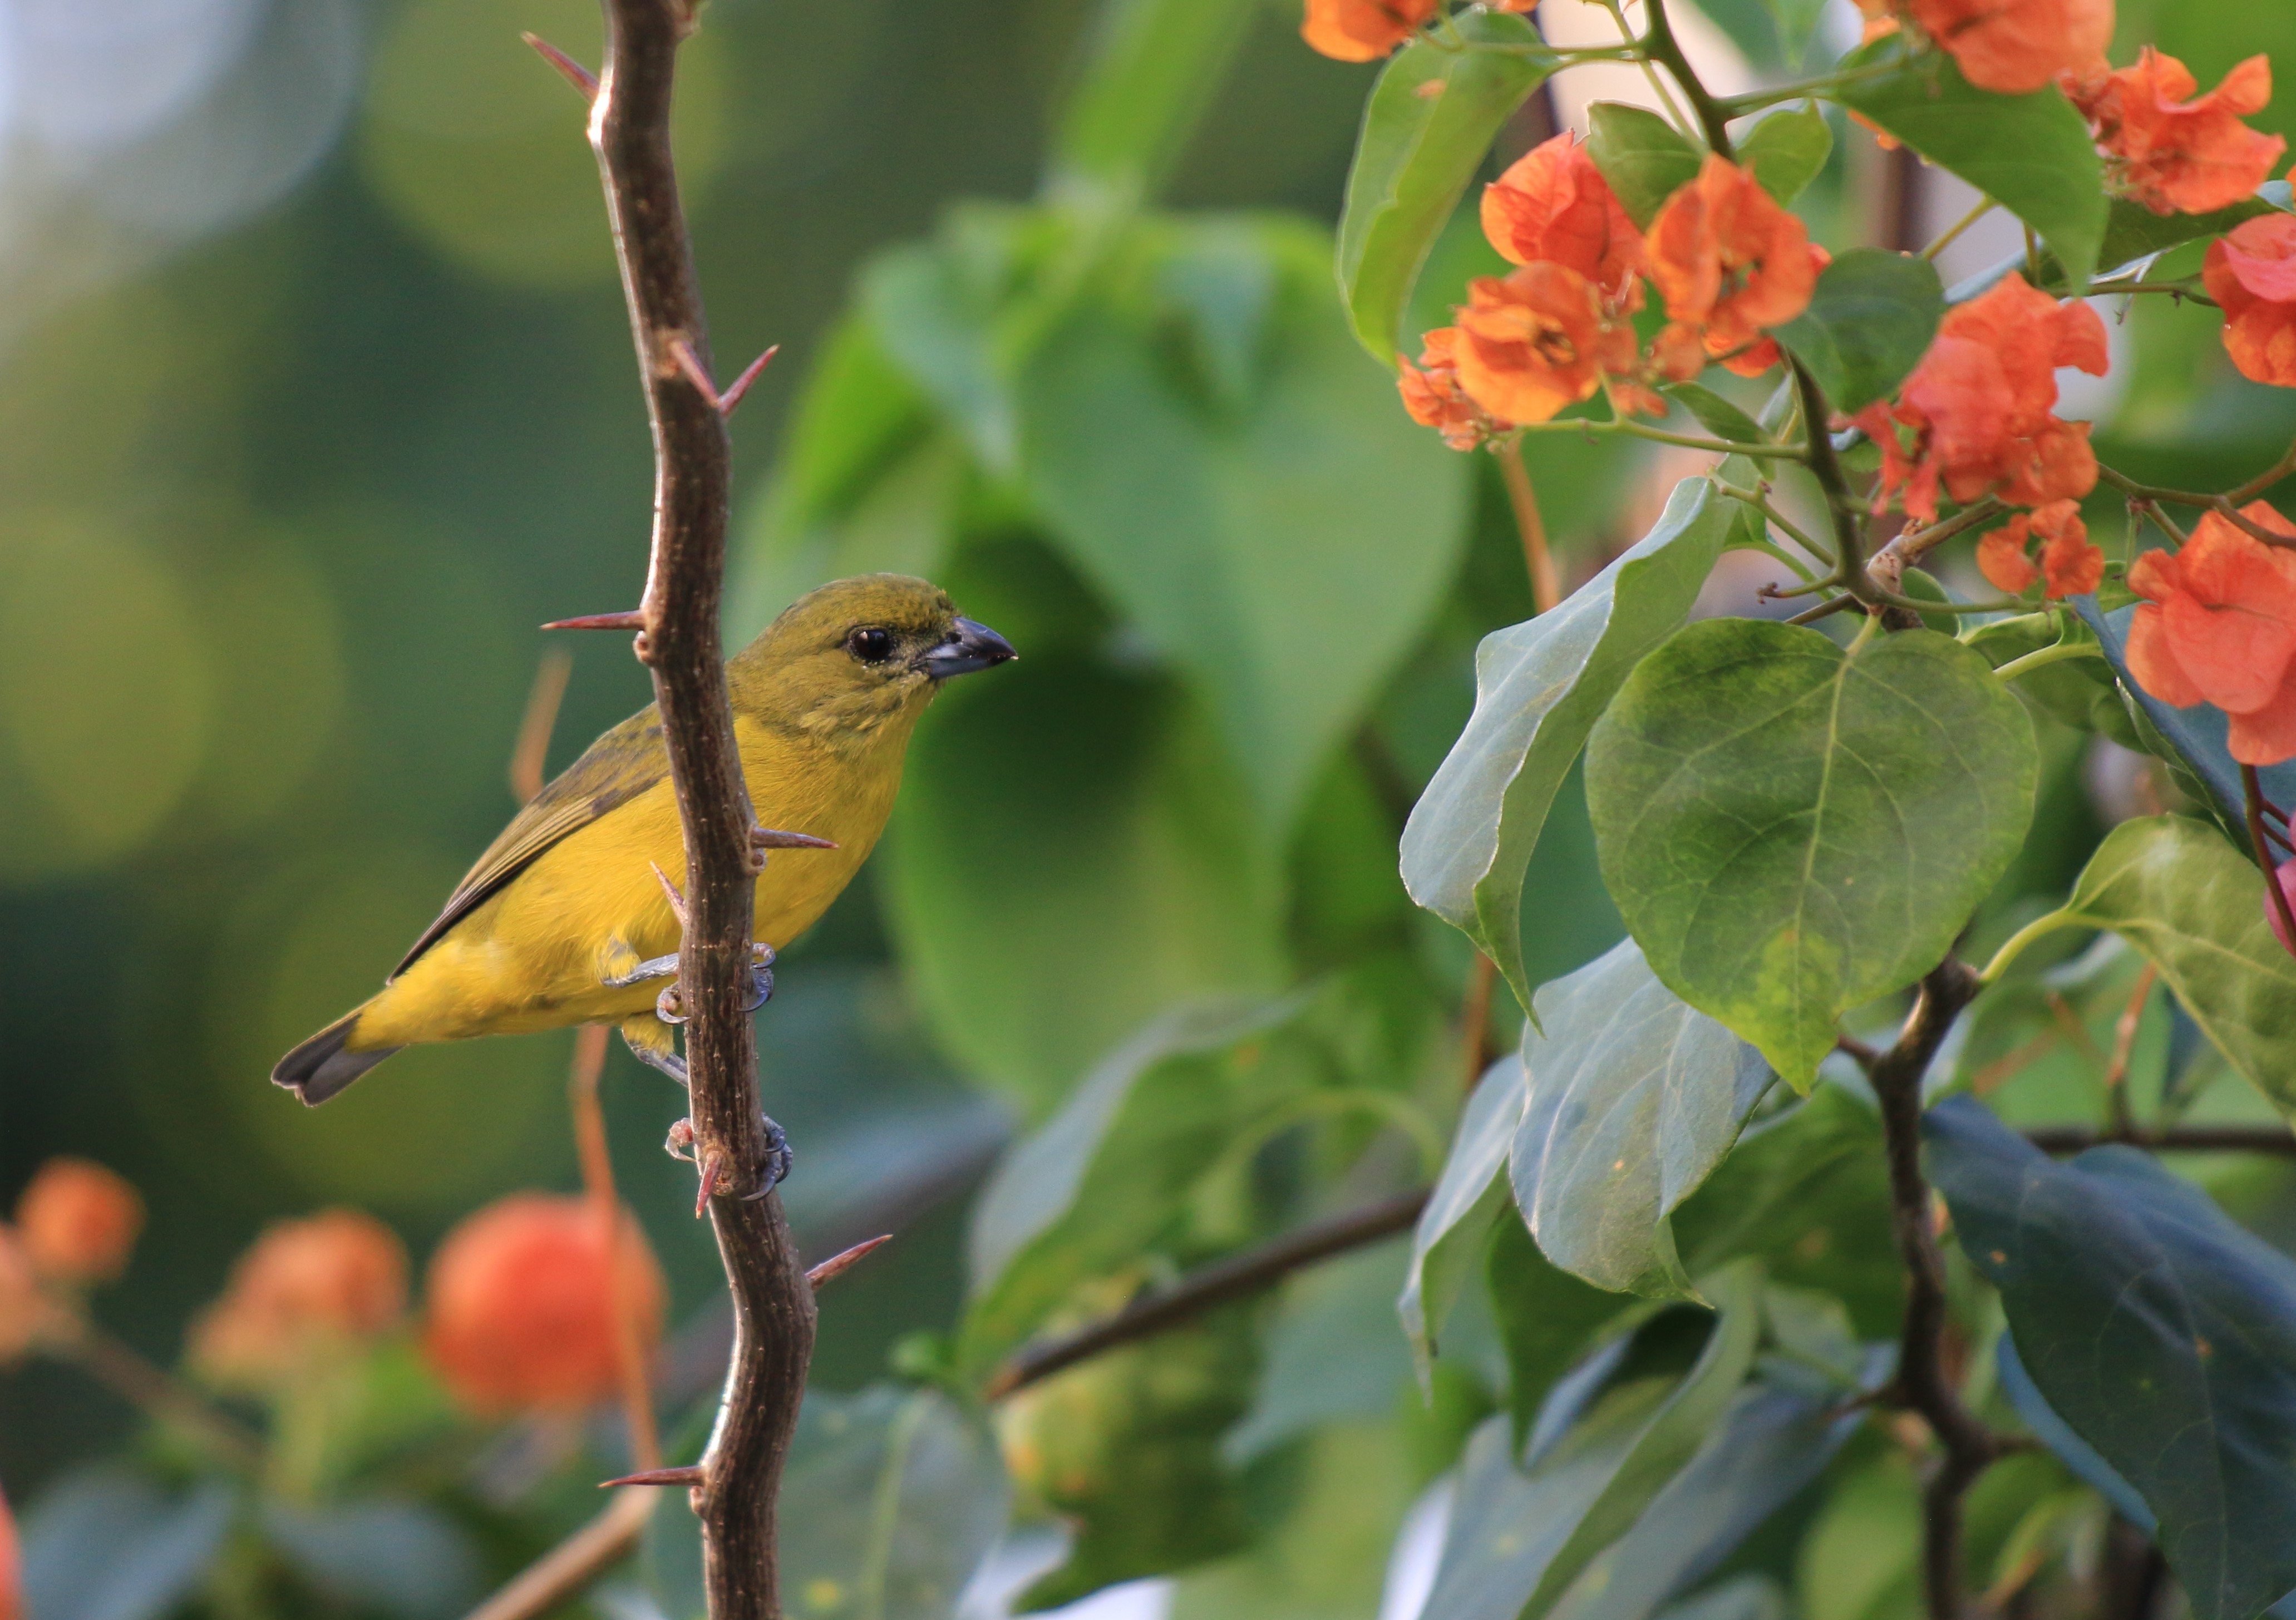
(869, 644)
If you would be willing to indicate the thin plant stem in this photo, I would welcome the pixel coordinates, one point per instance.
(1641, 48)
(2227, 506)
(1523, 500)
(1985, 205)
(1776, 519)
(2124, 1041)
(1922, 1383)
(2253, 794)
(1635, 430)
(530, 755)
(1848, 561)
(568, 1569)
(1475, 1019)
(1660, 44)
(606, 1207)
(71, 1336)
(2040, 657)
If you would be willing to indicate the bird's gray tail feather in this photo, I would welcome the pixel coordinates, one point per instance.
(321, 1066)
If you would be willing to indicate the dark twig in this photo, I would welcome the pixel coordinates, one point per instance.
(1922, 1383)
(1658, 44)
(2252, 792)
(1840, 505)
(774, 1307)
(2226, 506)
(1214, 1285)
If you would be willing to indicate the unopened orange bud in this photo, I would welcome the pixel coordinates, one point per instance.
(307, 1287)
(524, 1301)
(80, 1222)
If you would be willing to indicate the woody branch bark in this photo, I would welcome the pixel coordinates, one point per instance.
(773, 1306)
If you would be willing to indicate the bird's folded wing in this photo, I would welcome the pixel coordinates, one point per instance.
(612, 772)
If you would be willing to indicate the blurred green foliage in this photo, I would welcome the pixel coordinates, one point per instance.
(1053, 280)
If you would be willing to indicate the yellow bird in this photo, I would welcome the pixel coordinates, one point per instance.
(565, 919)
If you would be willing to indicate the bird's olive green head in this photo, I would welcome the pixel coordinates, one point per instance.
(842, 659)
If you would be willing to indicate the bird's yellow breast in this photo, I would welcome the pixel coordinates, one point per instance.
(533, 955)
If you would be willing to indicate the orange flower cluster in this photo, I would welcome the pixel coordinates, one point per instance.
(306, 1289)
(525, 1296)
(2172, 152)
(1730, 262)
(1365, 30)
(1980, 407)
(2071, 565)
(1557, 330)
(2217, 625)
(2251, 272)
(78, 1221)
(2009, 45)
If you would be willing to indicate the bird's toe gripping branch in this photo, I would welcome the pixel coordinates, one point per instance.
(780, 1159)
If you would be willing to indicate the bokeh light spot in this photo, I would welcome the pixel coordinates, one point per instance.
(477, 146)
(105, 693)
(436, 1127)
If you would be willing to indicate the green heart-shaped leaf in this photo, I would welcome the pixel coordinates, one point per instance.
(1791, 830)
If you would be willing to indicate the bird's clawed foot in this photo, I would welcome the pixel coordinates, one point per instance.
(669, 1006)
(778, 1162)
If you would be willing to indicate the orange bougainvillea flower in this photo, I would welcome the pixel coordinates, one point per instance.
(525, 1297)
(2009, 45)
(1431, 393)
(2172, 152)
(1553, 204)
(1730, 261)
(23, 1308)
(1363, 30)
(2069, 564)
(1981, 405)
(80, 1222)
(2252, 272)
(1535, 341)
(307, 1288)
(2217, 625)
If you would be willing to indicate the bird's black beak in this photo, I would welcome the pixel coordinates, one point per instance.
(969, 646)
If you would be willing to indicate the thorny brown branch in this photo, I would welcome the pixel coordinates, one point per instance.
(774, 1307)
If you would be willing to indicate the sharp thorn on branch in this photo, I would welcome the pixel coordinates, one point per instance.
(688, 1476)
(710, 1166)
(837, 1265)
(691, 368)
(573, 72)
(632, 621)
(766, 838)
(676, 899)
(730, 400)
